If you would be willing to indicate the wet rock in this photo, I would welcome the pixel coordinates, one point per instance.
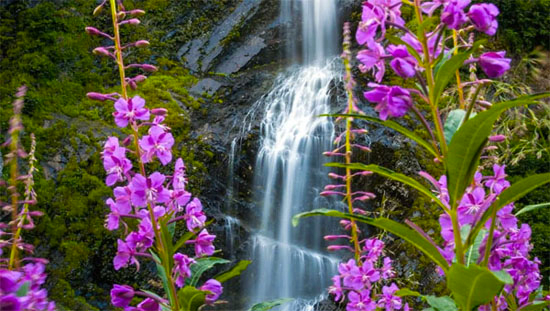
(208, 86)
(242, 55)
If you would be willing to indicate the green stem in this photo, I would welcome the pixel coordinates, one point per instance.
(459, 251)
(14, 194)
(489, 244)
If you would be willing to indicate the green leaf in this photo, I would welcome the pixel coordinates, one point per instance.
(23, 289)
(509, 195)
(233, 272)
(467, 143)
(453, 122)
(529, 208)
(444, 303)
(392, 175)
(402, 231)
(202, 265)
(472, 255)
(403, 292)
(157, 297)
(162, 274)
(393, 125)
(268, 305)
(536, 306)
(474, 285)
(447, 72)
(190, 298)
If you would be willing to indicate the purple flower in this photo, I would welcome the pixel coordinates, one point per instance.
(360, 301)
(178, 180)
(129, 111)
(10, 303)
(129, 249)
(393, 101)
(483, 17)
(113, 218)
(146, 233)
(430, 6)
(8, 281)
(403, 63)
(181, 268)
(116, 165)
(214, 287)
(148, 304)
(158, 143)
(387, 269)
(498, 182)
(203, 243)
(372, 17)
(121, 295)
(194, 216)
(471, 203)
(373, 58)
(336, 288)
(494, 64)
(148, 190)
(374, 247)
(388, 300)
(369, 274)
(453, 14)
(351, 275)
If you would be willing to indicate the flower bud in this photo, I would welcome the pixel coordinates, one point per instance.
(139, 78)
(149, 68)
(497, 138)
(98, 9)
(132, 84)
(159, 111)
(97, 96)
(121, 15)
(101, 51)
(127, 140)
(132, 21)
(92, 31)
(136, 12)
(141, 43)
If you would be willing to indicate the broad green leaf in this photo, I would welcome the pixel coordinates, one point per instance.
(536, 306)
(233, 272)
(509, 195)
(529, 208)
(268, 305)
(444, 303)
(474, 285)
(190, 298)
(393, 125)
(453, 122)
(398, 41)
(403, 292)
(202, 265)
(389, 225)
(392, 175)
(23, 289)
(467, 143)
(162, 274)
(472, 254)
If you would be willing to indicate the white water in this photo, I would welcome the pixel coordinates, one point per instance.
(289, 173)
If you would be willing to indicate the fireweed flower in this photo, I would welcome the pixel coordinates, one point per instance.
(203, 243)
(453, 14)
(392, 101)
(149, 189)
(121, 295)
(483, 17)
(116, 165)
(148, 305)
(214, 287)
(181, 268)
(127, 111)
(194, 217)
(403, 63)
(494, 64)
(360, 301)
(373, 59)
(388, 301)
(158, 143)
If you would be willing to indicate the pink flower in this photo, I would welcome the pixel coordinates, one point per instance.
(148, 304)
(373, 58)
(393, 101)
(148, 190)
(360, 301)
(403, 63)
(194, 216)
(203, 243)
(181, 268)
(494, 64)
(117, 210)
(214, 287)
(131, 110)
(483, 17)
(121, 295)
(453, 14)
(116, 165)
(158, 143)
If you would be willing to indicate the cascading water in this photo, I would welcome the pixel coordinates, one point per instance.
(289, 173)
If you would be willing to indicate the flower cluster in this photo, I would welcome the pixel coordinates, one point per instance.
(360, 281)
(410, 58)
(20, 278)
(148, 205)
(511, 243)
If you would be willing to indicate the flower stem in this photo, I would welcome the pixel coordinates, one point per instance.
(457, 74)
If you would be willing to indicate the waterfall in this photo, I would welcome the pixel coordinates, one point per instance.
(289, 172)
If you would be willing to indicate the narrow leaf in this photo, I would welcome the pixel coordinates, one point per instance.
(530, 208)
(393, 125)
(392, 175)
(268, 305)
(389, 225)
(162, 274)
(536, 306)
(233, 272)
(403, 292)
(202, 265)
